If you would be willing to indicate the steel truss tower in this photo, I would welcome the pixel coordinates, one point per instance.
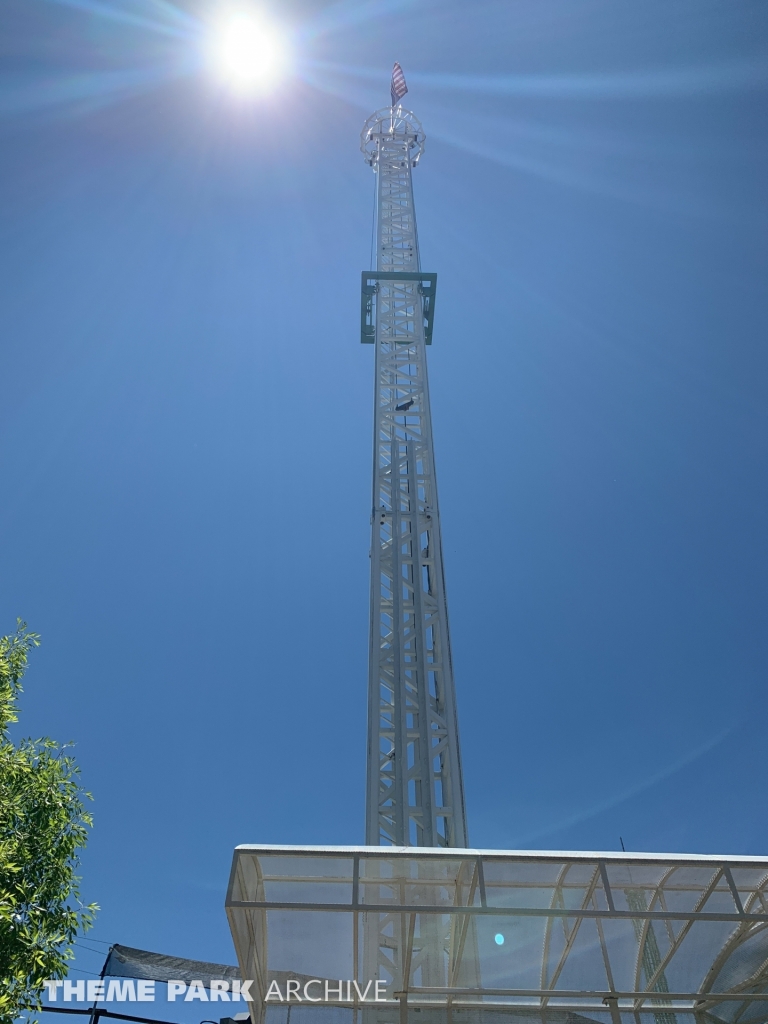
(415, 794)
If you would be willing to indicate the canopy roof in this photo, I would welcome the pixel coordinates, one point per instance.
(476, 935)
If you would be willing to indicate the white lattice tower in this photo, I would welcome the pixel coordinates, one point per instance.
(415, 793)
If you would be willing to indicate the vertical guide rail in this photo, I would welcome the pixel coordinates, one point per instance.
(415, 794)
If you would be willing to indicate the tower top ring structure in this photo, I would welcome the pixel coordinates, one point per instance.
(392, 123)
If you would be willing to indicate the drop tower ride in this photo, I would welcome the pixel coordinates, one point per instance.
(415, 793)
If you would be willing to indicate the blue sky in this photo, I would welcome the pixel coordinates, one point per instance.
(185, 426)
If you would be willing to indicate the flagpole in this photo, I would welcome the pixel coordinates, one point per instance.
(397, 90)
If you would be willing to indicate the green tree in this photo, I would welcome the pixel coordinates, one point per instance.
(43, 824)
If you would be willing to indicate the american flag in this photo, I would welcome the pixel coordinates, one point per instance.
(399, 88)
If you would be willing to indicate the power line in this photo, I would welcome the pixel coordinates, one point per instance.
(80, 945)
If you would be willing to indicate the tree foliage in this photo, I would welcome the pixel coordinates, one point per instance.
(43, 824)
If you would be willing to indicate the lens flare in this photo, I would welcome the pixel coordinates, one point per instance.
(248, 52)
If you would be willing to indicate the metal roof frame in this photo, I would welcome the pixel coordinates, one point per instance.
(615, 936)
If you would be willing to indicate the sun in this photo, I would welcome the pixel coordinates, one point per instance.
(248, 52)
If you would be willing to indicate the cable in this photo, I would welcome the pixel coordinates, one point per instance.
(80, 945)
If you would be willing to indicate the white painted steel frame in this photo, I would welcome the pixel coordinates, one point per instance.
(620, 930)
(415, 794)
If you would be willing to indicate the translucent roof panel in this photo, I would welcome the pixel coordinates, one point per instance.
(383, 935)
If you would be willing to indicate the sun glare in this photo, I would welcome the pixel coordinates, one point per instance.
(248, 52)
